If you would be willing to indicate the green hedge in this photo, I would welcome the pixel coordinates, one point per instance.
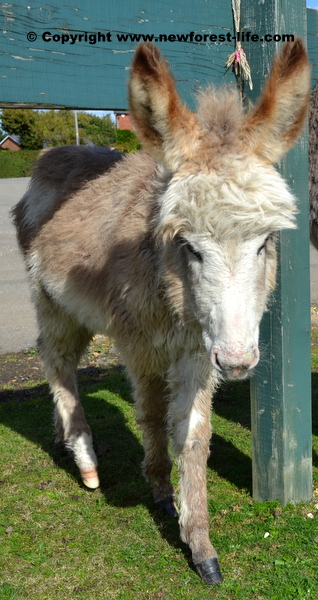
(127, 141)
(16, 163)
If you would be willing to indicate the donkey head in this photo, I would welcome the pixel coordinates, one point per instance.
(224, 202)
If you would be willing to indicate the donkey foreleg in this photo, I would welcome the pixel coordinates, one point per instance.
(189, 418)
(151, 406)
(71, 428)
(61, 344)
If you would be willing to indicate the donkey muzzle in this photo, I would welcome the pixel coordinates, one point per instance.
(235, 363)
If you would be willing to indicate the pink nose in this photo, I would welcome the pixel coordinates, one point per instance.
(235, 363)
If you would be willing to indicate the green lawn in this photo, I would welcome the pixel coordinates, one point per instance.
(60, 541)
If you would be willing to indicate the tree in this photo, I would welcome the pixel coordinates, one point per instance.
(99, 130)
(56, 127)
(22, 122)
(127, 141)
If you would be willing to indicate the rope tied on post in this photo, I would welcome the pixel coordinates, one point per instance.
(237, 60)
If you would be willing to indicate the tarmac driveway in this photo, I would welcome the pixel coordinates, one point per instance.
(17, 318)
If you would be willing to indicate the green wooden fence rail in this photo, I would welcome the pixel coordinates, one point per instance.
(93, 76)
(40, 73)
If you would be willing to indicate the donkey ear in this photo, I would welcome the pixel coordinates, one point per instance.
(273, 126)
(165, 126)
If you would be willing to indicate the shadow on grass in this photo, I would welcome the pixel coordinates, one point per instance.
(314, 387)
(28, 412)
(232, 402)
(230, 463)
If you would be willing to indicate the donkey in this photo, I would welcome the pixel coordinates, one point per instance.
(172, 252)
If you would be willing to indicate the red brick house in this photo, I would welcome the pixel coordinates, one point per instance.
(123, 120)
(10, 142)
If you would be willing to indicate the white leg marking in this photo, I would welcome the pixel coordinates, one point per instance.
(85, 458)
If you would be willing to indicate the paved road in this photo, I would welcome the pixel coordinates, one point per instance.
(17, 321)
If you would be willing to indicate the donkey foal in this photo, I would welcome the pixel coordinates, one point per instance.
(172, 252)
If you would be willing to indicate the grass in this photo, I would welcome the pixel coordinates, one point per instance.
(59, 541)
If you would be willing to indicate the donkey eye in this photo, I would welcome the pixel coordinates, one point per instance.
(195, 252)
(263, 246)
(190, 248)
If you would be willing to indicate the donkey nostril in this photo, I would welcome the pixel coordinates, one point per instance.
(216, 362)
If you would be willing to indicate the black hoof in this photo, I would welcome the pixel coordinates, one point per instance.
(167, 507)
(209, 571)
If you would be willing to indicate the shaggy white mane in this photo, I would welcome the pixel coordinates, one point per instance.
(253, 199)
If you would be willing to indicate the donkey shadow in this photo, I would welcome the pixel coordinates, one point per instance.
(114, 440)
(120, 452)
(119, 449)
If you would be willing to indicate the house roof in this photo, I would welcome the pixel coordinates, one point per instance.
(15, 138)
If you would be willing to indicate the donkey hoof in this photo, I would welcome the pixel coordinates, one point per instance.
(167, 507)
(209, 571)
(90, 478)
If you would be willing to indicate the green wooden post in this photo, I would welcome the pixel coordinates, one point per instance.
(281, 389)
(312, 42)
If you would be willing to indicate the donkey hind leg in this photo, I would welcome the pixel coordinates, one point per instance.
(190, 426)
(151, 406)
(61, 343)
